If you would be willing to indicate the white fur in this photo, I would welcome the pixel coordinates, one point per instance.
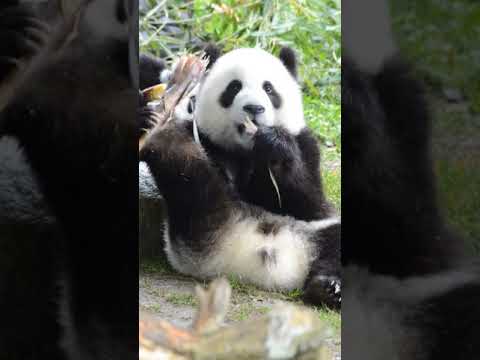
(165, 76)
(366, 33)
(21, 200)
(238, 251)
(181, 113)
(147, 188)
(251, 66)
(375, 306)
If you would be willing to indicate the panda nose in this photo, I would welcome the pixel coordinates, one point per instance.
(254, 109)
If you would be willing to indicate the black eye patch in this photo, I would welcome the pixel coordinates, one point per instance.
(228, 95)
(274, 96)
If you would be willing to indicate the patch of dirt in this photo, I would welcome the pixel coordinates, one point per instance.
(152, 295)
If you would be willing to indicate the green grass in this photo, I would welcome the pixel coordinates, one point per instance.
(460, 193)
(181, 299)
(158, 265)
(243, 312)
(331, 318)
(440, 37)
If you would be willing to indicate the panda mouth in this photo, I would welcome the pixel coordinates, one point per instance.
(248, 127)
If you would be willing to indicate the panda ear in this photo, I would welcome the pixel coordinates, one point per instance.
(289, 59)
(212, 53)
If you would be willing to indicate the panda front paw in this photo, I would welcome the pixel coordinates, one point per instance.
(322, 290)
(148, 118)
(275, 146)
(22, 35)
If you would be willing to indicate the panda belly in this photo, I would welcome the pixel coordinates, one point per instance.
(21, 201)
(269, 251)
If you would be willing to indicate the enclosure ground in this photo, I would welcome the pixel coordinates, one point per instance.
(166, 295)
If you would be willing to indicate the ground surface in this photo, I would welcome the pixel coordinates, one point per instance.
(172, 297)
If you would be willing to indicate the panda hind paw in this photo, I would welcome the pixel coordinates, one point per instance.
(324, 290)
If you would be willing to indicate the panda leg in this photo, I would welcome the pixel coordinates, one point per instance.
(323, 284)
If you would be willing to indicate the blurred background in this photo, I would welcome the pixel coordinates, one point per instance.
(441, 39)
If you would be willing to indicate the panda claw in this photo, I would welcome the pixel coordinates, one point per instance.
(149, 118)
(39, 35)
(324, 291)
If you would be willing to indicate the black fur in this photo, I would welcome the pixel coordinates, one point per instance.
(75, 118)
(190, 183)
(121, 11)
(228, 95)
(450, 323)
(150, 70)
(323, 284)
(29, 262)
(394, 225)
(295, 163)
(289, 59)
(212, 52)
(18, 22)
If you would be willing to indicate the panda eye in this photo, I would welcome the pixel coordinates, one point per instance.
(191, 104)
(267, 86)
(236, 86)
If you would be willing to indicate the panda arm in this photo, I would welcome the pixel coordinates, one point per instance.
(147, 117)
(391, 184)
(21, 36)
(294, 162)
(196, 195)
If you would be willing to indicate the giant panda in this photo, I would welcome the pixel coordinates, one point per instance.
(409, 292)
(68, 182)
(247, 198)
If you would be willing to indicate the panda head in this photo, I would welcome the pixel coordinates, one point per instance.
(249, 82)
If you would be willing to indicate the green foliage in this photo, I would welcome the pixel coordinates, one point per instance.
(460, 193)
(155, 266)
(441, 36)
(181, 299)
(331, 318)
